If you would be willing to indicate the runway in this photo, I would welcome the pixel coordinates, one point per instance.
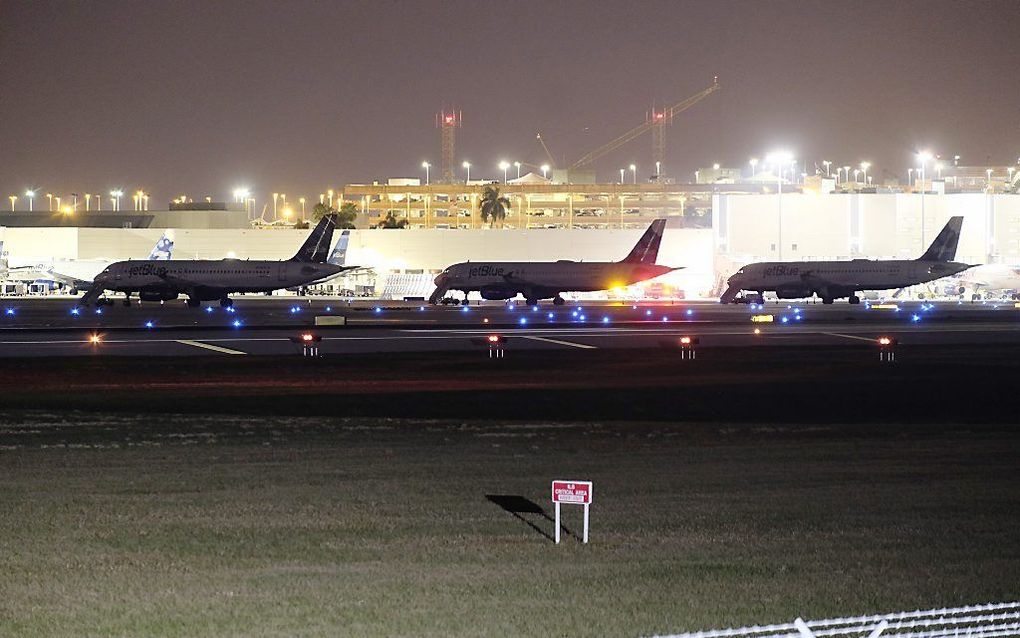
(269, 326)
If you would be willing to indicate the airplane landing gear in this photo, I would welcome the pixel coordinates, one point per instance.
(226, 302)
(193, 303)
(827, 301)
(531, 301)
(464, 301)
(559, 301)
(853, 300)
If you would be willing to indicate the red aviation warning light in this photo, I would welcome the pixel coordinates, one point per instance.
(887, 349)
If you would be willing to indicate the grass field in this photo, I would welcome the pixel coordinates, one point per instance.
(185, 526)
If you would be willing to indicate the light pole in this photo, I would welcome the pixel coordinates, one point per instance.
(13, 199)
(988, 180)
(658, 170)
(1010, 171)
(938, 169)
(329, 193)
(517, 165)
(426, 166)
(826, 164)
(777, 159)
(467, 167)
(115, 196)
(30, 194)
(923, 156)
(633, 172)
(864, 170)
(88, 200)
(58, 202)
(545, 170)
(910, 178)
(302, 201)
(276, 196)
(622, 171)
(847, 169)
(753, 163)
(99, 202)
(504, 165)
(857, 175)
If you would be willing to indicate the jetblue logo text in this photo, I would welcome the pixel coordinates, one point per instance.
(485, 271)
(781, 271)
(147, 269)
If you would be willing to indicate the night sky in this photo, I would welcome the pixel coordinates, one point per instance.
(200, 97)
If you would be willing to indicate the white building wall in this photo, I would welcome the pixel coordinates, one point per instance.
(883, 225)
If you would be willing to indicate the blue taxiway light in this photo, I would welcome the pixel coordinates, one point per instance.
(149, 324)
(690, 311)
(99, 311)
(784, 319)
(915, 318)
(648, 313)
(237, 323)
(75, 312)
(550, 315)
(420, 308)
(9, 312)
(797, 317)
(581, 317)
(378, 309)
(209, 309)
(534, 309)
(605, 319)
(664, 319)
(524, 320)
(329, 308)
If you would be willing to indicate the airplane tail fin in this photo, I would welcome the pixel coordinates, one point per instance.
(944, 246)
(646, 251)
(164, 248)
(339, 254)
(316, 247)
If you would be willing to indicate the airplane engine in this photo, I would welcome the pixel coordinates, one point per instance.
(793, 293)
(493, 294)
(157, 295)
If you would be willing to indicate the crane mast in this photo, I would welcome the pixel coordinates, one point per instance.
(655, 123)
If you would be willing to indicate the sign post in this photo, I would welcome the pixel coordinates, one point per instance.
(572, 493)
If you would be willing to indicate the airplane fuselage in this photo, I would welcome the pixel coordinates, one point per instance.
(541, 280)
(836, 279)
(209, 279)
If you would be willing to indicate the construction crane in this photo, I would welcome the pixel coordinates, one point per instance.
(654, 123)
(552, 162)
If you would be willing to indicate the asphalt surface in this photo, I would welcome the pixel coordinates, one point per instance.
(269, 326)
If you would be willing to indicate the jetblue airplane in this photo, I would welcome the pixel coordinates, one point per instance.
(544, 280)
(837, 279)
(207, 280)
(77, 273)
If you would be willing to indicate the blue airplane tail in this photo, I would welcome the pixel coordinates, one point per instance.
(339, 254)
(646, 251)
(316, 247)
(944, 246)
(163, 249)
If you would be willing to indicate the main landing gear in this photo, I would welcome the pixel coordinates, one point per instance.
(193, 303)
(226, 302)
(127, 300)
(559, 301)
(853, 300)
(531, 301)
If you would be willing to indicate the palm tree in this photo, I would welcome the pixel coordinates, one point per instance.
(346, 215)
(493, 205)
(392, 222)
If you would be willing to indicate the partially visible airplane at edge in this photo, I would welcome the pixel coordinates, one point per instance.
(207, 280)
(838, 279)
(987, 279)
(544, 280)
(75, 273)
